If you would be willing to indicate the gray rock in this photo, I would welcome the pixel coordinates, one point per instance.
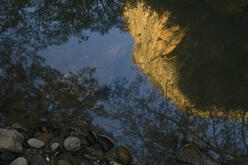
(7, 156)
(11, 140)
(55, 146)
(72, 144)
(19, 161)
(36, 143)
(37, 160)
(190, 154)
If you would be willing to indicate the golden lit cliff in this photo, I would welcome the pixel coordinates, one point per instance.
(196, 66)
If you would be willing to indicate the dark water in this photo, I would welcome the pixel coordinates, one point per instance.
(157, 74)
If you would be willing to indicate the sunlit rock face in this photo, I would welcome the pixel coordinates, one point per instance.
(199, 62)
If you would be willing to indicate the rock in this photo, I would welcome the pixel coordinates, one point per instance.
(18, 127)
(90, 157)
(7, 156)
(72, 144)
(114, 163)
(63, 162)
(36, 143)
(45, 126)
(110, 155)
(55, 146)
(70, 158)
(124, 156)
(11, 140)
(84, 140)
(94, 151)
(91, 137)
(37, 160)
(19, 161)
(45, 137)
(190, 154)
(106, 143)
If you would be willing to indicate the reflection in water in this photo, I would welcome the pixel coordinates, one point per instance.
(29, 88)
(195, 52)
(112, 51)
(197, 57)
(157, 132)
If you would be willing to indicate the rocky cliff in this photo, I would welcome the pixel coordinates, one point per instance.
(198, 62)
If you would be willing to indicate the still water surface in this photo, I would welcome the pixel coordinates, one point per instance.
(157, 74)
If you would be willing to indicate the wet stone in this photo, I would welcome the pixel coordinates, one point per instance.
(11, 140)
(19, 161)
(106, 143)
(124, 156)
(37, 160)
(63, 162)
(91, 137)
(55, 146)
(36, 143)
(190, 154)
(7, 156)
(72, 144)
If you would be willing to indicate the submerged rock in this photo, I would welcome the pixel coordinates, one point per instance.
(19, 161)
(63, 162)
(37, 160)
(55, 146)
(124, 156)
(106, 143)
(91, 137)
(11, 140)
(36, 143)
(190, 154)
(72, 143)
(7, 156)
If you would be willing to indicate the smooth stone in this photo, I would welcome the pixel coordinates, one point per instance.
(84, 140)
(124, 156)
(89, 157)
(106, 143)
(91, 137)
(36, 143)
(190, 154)
(11, 140)
(55, 146)
(110, 155)
(18, 126)
(94, 151)
(70, 158)
(63, 162)
(7, 156)
(19, 161)
(114, 163)
(72, 144)
(37, 160)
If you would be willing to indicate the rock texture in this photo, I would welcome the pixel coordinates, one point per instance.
(11, 140)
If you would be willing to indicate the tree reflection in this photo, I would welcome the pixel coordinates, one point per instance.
(195, 55)
(29, 88)
(157, 131)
